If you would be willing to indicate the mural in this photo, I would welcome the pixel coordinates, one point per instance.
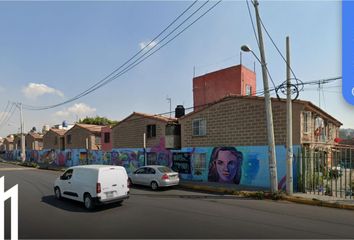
(243, 165)
(225, 165)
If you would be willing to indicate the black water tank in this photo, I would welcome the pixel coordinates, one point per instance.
(179, 112)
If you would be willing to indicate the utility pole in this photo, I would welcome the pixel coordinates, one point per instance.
(23, 150)
(268, 108)
(170, 100)
(144, 145)
(289, 123)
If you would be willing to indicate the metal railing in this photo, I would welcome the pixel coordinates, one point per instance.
(328, 173)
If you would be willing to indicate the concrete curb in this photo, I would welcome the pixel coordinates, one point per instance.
(267, 195)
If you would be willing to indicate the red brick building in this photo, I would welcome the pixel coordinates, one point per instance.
(211, 87)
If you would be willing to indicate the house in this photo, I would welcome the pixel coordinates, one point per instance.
(9, 143)
(83, 136)
(17, 141)
(241, 120)
(34, 141)
(213, 86)
(129, 133)
(54, 139)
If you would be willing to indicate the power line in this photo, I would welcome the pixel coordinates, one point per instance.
(129, 67)
(3, 115)
(9, 116)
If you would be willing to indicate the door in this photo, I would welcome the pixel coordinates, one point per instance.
(149, 176)
(113, 182)
(66, 185)
(138, 176)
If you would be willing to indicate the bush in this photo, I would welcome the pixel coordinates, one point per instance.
(259, 195)
(277, 195)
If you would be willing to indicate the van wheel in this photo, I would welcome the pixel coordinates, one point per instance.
(88, 202)
(57, 193)
(154, 185)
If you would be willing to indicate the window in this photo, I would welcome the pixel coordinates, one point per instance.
(151, 131)
(306, 122)
(107, 137)
(150, 171)
(248, 90)
(199, 127)
(68, 139)
(140, 171)
(67, 175)
(55, 140)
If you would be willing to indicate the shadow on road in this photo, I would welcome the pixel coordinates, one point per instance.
(75, 206)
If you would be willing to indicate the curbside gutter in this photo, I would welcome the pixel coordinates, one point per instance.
(267, 195)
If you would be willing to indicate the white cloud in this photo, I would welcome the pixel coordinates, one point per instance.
(146, 44)
(34, 90)
(78, 109)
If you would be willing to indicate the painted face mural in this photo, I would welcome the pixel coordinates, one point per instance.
(225, 165)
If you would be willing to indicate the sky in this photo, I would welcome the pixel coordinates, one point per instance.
(51, 51)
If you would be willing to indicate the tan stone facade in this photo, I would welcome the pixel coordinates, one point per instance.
(241, 121)
(75, 138)
(54, 139)
(129, 132)
(34, 141)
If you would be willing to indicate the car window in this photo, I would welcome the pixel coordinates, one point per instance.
(165, 169)
(68, 174)
(140, 171)
(150, 171)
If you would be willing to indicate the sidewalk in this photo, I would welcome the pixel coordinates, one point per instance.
(263, 193)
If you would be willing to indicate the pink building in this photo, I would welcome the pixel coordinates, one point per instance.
(106, 138)
(211, 87)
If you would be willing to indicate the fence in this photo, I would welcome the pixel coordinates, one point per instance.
(328, 172)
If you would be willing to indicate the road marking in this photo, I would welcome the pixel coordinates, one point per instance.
(15, 169)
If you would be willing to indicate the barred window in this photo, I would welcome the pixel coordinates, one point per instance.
(199, 127)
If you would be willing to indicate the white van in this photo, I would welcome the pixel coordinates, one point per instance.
(93, 184)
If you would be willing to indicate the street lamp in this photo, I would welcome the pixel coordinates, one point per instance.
(269, 115)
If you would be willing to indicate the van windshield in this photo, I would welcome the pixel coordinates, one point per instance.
(164, 169)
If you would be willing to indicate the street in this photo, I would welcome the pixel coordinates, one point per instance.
(170, 213)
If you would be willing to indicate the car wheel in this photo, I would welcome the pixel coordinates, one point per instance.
(57, 193)
(88, 202)
(154, 185)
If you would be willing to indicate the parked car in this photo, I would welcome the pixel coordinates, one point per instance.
(154, 176)
(93, 184)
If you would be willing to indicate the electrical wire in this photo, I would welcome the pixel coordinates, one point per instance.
(129, 67)
(3, 114)
(9, 116)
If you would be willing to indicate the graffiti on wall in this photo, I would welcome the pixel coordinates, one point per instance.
(244, 165)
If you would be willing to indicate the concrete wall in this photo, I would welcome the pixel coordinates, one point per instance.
(193, 163)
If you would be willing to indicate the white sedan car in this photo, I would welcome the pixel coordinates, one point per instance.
(154, 176)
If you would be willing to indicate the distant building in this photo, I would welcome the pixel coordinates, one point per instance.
(34, 141)
(129, 133)
(83, 134)
(54, 139)
(211, 87)
(8, 143)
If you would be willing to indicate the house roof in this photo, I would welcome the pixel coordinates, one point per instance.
(150, 116)
(36, 135)
(9, 139)
(60, 132)
(90, 127)
(307, 104)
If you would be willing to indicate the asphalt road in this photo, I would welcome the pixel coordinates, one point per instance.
(171, 213)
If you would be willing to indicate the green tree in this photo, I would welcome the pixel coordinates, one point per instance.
(103, 121)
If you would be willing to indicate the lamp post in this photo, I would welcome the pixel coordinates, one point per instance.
(268, 108)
